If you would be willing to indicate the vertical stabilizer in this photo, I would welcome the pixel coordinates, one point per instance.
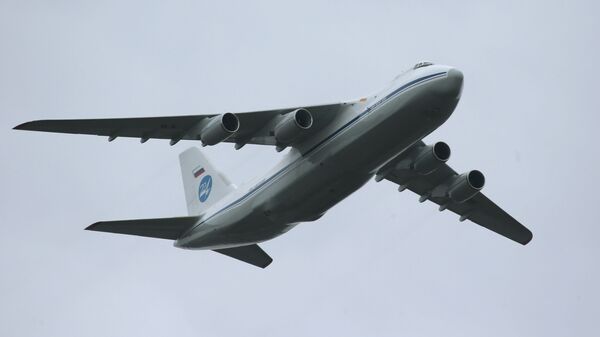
(203, 185)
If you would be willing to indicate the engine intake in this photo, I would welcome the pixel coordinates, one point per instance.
(292, 126)
(431, 157)
(219, 128)
(466, 186)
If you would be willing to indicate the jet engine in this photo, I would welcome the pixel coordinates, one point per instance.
(292, 126)
(431, 157)
(219, 128)
(466, 186)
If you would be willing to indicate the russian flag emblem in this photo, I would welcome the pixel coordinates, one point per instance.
(198, 171)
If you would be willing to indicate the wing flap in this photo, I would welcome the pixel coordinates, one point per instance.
(161, 228)
(251, 254)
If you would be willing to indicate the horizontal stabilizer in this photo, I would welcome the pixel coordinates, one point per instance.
(252, 254)
(162, 228)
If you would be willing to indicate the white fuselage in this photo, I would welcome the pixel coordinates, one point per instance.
(340, 159)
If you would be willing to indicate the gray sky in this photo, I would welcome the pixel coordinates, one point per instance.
(379, 263)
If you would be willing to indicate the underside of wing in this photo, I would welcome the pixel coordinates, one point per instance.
(143, 128)
(422, 169)
(279, 127)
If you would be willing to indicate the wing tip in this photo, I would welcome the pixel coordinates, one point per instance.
(92, 227)
(23, 126)
(527, 239)
(266, 264)
(36, 125)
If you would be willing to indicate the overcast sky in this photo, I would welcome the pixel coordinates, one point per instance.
(379, 263)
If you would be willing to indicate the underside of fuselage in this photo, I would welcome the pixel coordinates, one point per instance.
(337, 165)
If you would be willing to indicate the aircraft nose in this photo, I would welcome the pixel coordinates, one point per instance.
(453, 83)
(445, 92)
(450, 86)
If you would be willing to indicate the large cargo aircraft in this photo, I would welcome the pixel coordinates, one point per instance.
(334, 150)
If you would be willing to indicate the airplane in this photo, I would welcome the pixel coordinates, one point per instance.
(334, 149)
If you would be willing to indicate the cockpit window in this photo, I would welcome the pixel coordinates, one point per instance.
(422, 64)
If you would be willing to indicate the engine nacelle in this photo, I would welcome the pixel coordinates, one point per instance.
(431, 157)
(466, 186)
(219, 128)
(292, 126)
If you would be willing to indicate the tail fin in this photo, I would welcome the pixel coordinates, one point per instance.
(203, 185)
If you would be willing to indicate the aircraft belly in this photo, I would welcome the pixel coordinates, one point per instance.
(241, 225)
(325, 176)
(346, 164)
(311, 191)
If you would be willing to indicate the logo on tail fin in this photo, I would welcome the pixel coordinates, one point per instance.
(205, 187)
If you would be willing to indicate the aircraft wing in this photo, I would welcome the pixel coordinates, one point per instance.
(254, 127)
(434, 186)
